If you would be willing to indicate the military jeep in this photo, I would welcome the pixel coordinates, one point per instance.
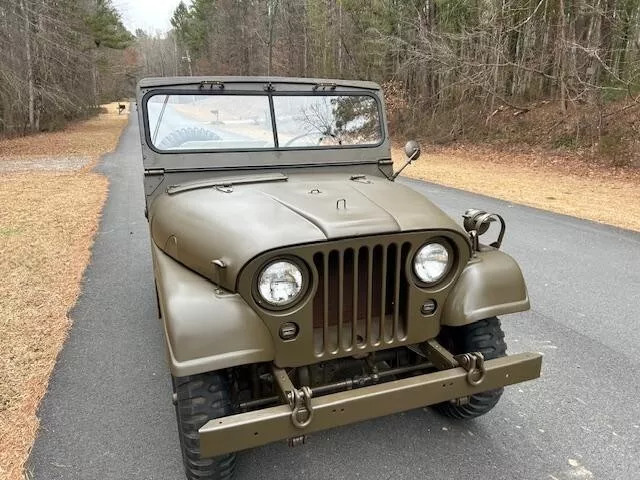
(300, 287)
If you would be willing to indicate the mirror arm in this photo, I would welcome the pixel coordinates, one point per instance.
(381, 164)
(407, 163)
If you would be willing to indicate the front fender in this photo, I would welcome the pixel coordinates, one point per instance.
(205, 330)
(491, 284)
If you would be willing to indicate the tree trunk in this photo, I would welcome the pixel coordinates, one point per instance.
(562, 58)
(273, 6)
(29, 56)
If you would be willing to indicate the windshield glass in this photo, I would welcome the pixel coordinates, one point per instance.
(243, 122)
(330, 120)
(210, 122)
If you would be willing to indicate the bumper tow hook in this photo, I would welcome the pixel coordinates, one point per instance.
(300, 403)
(473, 363)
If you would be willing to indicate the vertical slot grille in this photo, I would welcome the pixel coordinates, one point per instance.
(361, 299)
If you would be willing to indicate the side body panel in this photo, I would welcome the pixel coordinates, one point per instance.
(206, 330)
(491, 284)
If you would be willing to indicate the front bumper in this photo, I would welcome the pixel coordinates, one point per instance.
(259, 427)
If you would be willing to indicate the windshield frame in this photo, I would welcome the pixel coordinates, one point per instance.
(269, 94)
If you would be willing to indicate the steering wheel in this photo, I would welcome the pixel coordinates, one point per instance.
(309, 134)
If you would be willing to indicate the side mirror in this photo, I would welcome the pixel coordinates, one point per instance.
(412, 151)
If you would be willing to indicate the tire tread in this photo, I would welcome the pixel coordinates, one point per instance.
(201, 398)
(187, 134)
(484, 336)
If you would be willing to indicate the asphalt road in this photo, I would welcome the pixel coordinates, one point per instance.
(108, 412)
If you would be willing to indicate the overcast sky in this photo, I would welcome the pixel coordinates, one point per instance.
(150, 15)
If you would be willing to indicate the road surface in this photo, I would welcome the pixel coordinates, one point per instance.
(108, 413)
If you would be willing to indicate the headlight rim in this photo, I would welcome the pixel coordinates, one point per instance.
(304, 289)
(449, 269)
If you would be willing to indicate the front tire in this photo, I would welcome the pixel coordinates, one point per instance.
(484, 336)
(199, 398)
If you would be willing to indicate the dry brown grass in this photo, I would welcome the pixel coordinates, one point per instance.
(47, 224)
(90, 138)
(560, 184)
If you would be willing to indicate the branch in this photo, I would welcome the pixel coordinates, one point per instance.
(636, 102)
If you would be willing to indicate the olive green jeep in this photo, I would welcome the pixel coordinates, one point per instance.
(300, 287)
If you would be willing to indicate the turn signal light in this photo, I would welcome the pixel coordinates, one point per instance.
(429, 307)
(288, 331)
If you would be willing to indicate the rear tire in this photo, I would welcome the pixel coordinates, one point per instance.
(199, 399)
(484, 336)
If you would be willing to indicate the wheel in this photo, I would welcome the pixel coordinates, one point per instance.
(199, 398)
(190, 134)
(484, 336)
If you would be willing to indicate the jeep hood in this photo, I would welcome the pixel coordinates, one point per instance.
(197, 224)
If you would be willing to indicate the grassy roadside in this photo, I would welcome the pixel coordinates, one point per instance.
(50, 203)
(559, 184)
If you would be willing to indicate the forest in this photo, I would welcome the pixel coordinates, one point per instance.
(53, 54)
(457, 69)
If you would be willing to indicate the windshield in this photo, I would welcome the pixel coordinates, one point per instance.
(187, 122)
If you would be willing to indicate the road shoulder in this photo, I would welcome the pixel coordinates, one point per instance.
(611, 197)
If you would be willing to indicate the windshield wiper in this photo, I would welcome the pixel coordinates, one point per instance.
(227, 182)
(324, 86)
(155, 132)
(212, 83)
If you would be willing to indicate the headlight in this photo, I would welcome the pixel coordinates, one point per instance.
(432, 262)
(280, 283)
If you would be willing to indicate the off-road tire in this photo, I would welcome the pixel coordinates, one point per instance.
(183, 135)
(484, 336)
(199, 399)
